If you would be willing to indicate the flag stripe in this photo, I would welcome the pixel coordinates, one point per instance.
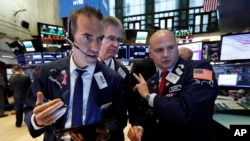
(209, 5)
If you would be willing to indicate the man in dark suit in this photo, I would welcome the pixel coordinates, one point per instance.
(147, 68)
(110, 47)
(181, 108)
(19, 85)
(54, 87)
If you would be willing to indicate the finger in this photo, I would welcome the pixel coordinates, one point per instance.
(54, 104)
(76, 136)
(57, 114)
(135, 88)
(136, 77)
(131, 132)
(102, 130)
(141, 77)
(139, 131)
(102, 133)
(51, 109)
(39, 99)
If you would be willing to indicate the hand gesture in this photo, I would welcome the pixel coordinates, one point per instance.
(135, 133)
(142, 86)
(47, 113)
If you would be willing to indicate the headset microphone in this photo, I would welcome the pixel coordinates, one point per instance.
(77, 47)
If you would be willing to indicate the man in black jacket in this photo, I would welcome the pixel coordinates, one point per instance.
(19, 84)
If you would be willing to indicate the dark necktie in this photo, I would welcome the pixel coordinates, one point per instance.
(163, 82)
(78, 100)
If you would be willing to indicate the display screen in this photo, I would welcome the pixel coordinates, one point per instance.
(141, 37)
(33, 58)
(52, 56)
(196, 47)
(235, 47)
(9, 73)
(122, 54)
(29, 46)
(21, 59)
(233, 75)
(138, 52)
(48, 31)
(16, 47)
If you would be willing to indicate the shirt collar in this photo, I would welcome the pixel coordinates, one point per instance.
(107, 61)
(159, 70)
(90, 69)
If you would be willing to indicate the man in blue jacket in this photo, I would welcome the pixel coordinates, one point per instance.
(54, 88)
(179, 105)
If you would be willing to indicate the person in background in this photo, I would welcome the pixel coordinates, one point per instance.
(2, 87)
(185, 53)
(91, 91)
(110, 47)
(19, 84)
(35, 72)
(179, 105)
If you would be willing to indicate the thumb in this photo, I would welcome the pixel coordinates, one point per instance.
(39, 99)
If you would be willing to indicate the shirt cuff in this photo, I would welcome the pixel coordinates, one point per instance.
(33, 123)
(151, 99)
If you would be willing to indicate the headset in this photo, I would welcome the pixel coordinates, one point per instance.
(70, 35)
(70, 39)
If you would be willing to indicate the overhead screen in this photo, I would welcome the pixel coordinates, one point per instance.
(141, 37)
(29, 46)
(48, 31)
(67, 6)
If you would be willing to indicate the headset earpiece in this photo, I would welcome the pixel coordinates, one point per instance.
(70, 35)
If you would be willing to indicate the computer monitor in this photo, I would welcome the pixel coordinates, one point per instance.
(122, 54)
(52, 56)
(138, 51)
(29, 46)
(141, 37)
(21, 59)
(33, 58)
(233, 75)
(196, 47)
(235, 47)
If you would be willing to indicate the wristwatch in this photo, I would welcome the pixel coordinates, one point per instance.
(147, 97)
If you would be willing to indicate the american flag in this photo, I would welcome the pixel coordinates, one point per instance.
(202, 74)
(209, 5)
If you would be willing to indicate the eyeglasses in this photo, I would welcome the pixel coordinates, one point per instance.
(114, 39)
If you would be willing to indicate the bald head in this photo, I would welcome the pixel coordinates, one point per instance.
(163, 49)
(168, 35)
(185, 53)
